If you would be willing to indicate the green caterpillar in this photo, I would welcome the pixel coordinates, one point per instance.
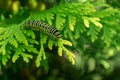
(42, 27)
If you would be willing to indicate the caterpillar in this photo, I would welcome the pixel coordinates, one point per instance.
(42, 27)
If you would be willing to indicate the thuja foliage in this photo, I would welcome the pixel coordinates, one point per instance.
(71, 19)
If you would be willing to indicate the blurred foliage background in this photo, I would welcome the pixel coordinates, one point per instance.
(93, 28)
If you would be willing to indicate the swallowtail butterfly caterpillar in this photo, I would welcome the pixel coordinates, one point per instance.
(42, 27)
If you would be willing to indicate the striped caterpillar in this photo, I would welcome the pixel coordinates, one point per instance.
(42, 27)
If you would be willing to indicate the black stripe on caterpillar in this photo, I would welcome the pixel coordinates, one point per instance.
(42, 27)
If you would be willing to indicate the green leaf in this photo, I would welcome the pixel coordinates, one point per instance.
(86, 22)
(65, 42)
(5, 59)
(60, 51)
(106, 37)
(96, 22)
(79, 28)
(20, 37)
(41, 53)
(77, 33)
(43, 15)
(8, 37)
(8, 32)
(13, 42)
(50, 44)
(32, 41)
(2, 30)
(49, 17)
(26, 57)
(3, 50)
(31, 48)
(29, 33)
(60, 20)
(45, 39)
(71, 22)
(61, 48)
(15, 57)
(93, 32)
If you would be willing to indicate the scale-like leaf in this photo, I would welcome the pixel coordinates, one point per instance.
(96, 22)
(20, 37)
(29, 33)
(3, 50)
(50, 44)
(26, 57)
(60, 20)
(2, 30)
(31, 48)
(106, 37)
(86, 22)
(15, 57)
(93, 32)
(60, 51)
(49, 17)
(5, 59)
(71, 21)
(13, 42)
